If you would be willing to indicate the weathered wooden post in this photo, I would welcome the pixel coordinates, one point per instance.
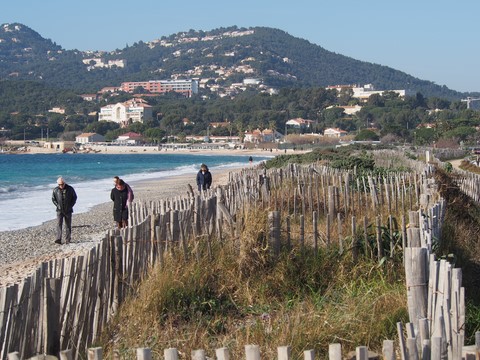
(401, 341)
(354, 240)
(284, 352)
(368, 249)
(289, 241)
(378, 229)
(437, 346)
(327, 230)
(118, 274)
(252, 352)
(198, 354)
(412, 351)
(388, 350)
(222, 354)
(95, 353)
(332, 210)
(170, 354)
(51, 325)
(274, 231)
(335, 351)
(390, 229)
(309, 354)
(144, 354)
(302, 231)
(315, 231)
(417, 283)
(66, 355)
(361, 353)
(339, 230)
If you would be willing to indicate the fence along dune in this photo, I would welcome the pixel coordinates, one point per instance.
(66, 303)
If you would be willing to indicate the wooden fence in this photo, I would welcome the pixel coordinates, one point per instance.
(67, 302)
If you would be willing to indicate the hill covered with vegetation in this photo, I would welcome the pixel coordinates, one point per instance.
(272, 55)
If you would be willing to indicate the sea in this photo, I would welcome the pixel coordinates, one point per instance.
(27, 180)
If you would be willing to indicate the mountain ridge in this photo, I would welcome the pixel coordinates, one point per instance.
(224, 55)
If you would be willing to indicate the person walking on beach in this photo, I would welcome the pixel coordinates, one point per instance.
(250, 160)
(64, 198)
(119, 196)
(129, 189)
(204, 178)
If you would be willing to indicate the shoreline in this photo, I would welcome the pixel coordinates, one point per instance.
(137, 149)
(23, 250)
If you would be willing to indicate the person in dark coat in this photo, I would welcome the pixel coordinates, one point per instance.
(119, 196)
(204, 178)
(64, 198)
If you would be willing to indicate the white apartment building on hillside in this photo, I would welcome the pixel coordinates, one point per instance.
(134, 110)
(364, 92)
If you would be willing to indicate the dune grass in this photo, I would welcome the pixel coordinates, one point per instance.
(241, 294)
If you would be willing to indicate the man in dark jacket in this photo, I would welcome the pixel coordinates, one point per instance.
(64, 198)
(204, 178)
(119, 196)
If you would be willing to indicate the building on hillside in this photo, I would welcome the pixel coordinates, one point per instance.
(299, 123)
(109, 90)
(225, 139)
(334, 132)
(254, 136)
(347, 109)
(224, 124)
(427, 126)
(86, 138)
(100, 63)
(185, 87)
(364, 92)
(134, 110)
(251, 81)
(260, 136)
(130, 138)
(89, 97)
(57, 110)
(351, 109)
(187, 122)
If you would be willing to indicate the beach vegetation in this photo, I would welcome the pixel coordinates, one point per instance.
(238, 293)
(235, 291)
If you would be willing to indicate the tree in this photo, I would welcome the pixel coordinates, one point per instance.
(366, 135)
(154, 134)
(101, 127)
(425, 136)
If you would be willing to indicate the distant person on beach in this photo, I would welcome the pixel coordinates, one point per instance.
(250, 160)
(119, 196)
(204, 178)
(129, 189)
(64, 198)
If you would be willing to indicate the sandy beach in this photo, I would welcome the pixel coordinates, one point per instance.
(22, 251)
(179, 149)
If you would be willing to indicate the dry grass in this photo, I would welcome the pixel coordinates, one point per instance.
(243, 295)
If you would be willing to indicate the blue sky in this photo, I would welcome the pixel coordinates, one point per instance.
(435, 40)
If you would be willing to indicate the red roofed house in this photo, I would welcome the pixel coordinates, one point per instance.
(258, 136)
(334, 132)
(300, 123)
